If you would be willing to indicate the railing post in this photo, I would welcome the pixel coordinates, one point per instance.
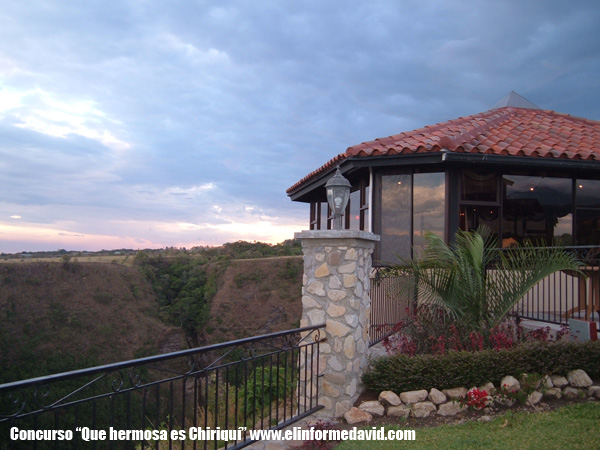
(335, 291)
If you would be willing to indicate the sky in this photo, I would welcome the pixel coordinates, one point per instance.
(152, 123)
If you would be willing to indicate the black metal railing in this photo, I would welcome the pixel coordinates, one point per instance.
(555, 299)
(388, 307)
(263, 382)
(566, 294)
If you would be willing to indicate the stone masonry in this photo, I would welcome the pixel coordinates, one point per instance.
(335, 291)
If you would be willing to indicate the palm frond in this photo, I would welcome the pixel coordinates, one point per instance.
(456, 278)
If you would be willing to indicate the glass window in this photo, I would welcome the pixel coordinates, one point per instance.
(539, 209)
(587, 226)
(354, 208)
(429, 206)
(479, 186)
(587, 193)
(396, 199)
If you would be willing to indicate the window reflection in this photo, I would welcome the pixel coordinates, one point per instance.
(587, 193)
(587, 200)
(429, 194)
(537, 209)
(396, 199)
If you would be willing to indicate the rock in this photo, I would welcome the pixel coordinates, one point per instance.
(553, 392)
(411, 397)
(449, 409)
(559, 381)
(534, 398)
(593, 391)
(423, 409)
(571, 392)
(455, 392)
(372, 407)
(484, 418)
(510, 383)
(355, 415)
(547, 382)
(598, 394)
(578, 378)
(436, 396)
(398, 411)
(488, 387)
(389, 398)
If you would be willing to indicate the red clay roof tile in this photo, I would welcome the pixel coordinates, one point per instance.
(503, 131)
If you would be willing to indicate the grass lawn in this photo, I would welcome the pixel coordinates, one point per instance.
(573, 426)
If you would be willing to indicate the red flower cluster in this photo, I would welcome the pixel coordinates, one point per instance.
(475, 399)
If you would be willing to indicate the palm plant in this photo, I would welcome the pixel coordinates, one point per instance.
(456, 278)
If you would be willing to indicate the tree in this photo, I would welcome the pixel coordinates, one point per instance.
(472, 282)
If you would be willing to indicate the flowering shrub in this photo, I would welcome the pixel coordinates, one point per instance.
(424, 333)
(503, 336)
(544, 334)
(475, 399)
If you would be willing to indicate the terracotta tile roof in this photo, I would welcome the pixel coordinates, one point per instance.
(503, 131)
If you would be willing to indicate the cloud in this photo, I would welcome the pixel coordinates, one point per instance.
(192, 112)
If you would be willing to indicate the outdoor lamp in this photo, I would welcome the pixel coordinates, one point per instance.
(338, 192)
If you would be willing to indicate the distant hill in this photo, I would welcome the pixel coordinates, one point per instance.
(257, 296)
(59, 316)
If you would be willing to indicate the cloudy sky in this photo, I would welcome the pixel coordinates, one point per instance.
(148, 123)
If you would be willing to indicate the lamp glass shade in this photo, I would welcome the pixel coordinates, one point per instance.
(338, 193)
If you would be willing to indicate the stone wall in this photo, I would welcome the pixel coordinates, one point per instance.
(424, 403)
(335, 291)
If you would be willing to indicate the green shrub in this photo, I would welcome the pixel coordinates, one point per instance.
(403, 373)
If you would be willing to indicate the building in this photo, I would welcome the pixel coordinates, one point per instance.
(525, 172)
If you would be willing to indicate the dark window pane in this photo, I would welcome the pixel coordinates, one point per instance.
(429, 203)
(587, 193)
(537, 208)
(395, 218)
(588, 227)
(479, 186)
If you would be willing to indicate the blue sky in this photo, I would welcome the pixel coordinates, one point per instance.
(145, 123)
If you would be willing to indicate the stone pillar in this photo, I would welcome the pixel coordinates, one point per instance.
(335, 291)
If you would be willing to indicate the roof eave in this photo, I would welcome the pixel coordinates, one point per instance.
(443, 157)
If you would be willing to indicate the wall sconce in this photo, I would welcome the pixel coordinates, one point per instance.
(338, 193)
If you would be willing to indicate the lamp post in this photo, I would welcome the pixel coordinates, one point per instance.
(338, 193)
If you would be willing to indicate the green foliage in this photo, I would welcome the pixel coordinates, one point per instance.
(573, 426)
(264, 386)
(456, 279)
(182, 289)
(404, 373)
(291, 269)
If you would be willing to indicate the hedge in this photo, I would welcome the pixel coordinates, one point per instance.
(407, 373)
